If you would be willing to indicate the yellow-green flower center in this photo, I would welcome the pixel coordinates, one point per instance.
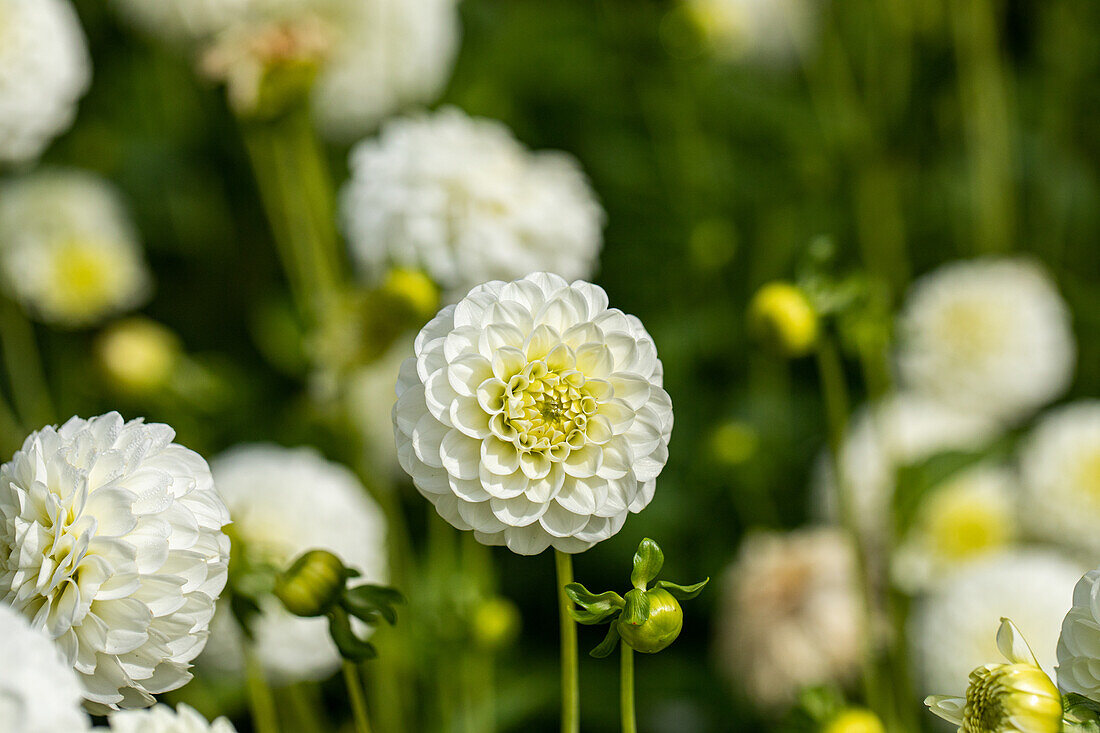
(546, 410)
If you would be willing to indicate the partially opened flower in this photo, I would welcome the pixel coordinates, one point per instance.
(162, 719)
(39, 691)
(534, 415)
(285, 501)
(1017, 697)
(462, 199)
(990, 336)
(44, 70)
(111, 542)
(68, 251)
(1060, 471)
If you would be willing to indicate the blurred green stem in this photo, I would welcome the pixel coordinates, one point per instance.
(356, 696)
(24, 364)
(626, 689)
(305, 706)
(570, 669)
(261, 701)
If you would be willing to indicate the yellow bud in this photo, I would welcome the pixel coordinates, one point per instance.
(665, 621)
(781, 316)
(855, 720)
(734, 443)
(496, 623)
(1004, 698)
(415, 289)
(312, 585)
(138, 355)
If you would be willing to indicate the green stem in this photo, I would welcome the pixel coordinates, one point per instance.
(358, 699)
(570, 670)
(626, 689)
(24, 364)
(306, 707)
(261, 701)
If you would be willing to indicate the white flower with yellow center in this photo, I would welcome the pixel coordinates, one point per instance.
(1079, 644)
(462, 199)
(989, 336)
(39, 692)
(44, 70)
(68, 251)
(162, 719)
(972, 514)
(767, 31)
(285, 501)
(949, 629)
(791, 614)
(534, 415)
(111, 541)
(1060, 469)
(1017, 697)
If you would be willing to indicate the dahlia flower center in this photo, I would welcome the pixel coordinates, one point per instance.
(546, 410)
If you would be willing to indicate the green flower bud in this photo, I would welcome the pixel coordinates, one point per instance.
(781, 316)
(313, 584)
(414, 289)
(661, 627)
(855, 720)
(495, 623)
(138, 355)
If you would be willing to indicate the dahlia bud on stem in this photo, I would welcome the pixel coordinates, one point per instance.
(646, 619)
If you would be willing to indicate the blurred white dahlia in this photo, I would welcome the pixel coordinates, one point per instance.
(162, 719)
(39, 691)
(68, 251)
(285, 501)
(111, 541)
(989, 336)
(462, 199)
(791, 614)
(44, 70)
(1060, 470)
(534, 415)
(901, 430)
(766, 31)
(949, 629)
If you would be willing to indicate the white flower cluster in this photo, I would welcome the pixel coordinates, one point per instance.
(162, 719)
(988, 336)
(462, 199)
(534, 415)
(44, 70)
(68, 251)
(39, 692)
(285, 501)
(111, 541)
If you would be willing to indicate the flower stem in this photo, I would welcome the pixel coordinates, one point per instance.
(358, 700)
(570, 671)
(24, 364)
(626, 689)
(261, 701)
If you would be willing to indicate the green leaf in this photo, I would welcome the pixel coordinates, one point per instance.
(608, 644)
(636, 611)
(594, 608)
(647, 563)
(350, 646)
(369, 602)
(682, 592)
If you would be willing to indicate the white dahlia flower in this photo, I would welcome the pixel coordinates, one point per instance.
(901, 430)
(766, 31)
(1079, 644)
(285, 501)
(462, 199)
(973, 513)
(44, 70)
(1060, 470)
(950, 629)
(68, 251)
(162, 719)
(39, 691)
(791, 614)
(534, 415)
(988, 336)
(111, 541)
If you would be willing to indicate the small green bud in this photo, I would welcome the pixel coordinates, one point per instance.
(855, 720)
(138, 355)
(313, 584)
(495, 623)
(781, 316)
(660, 628)
(415, 289)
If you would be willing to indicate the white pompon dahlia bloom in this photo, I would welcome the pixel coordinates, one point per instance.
(39, 691)
(44, 70)
(534, 415)
(987, 335)
(111, 541)
(462, 199)
(949, 629)
(1060, 470)
(285, 501)
(1079, 644)
(68, 251)
(162, 719)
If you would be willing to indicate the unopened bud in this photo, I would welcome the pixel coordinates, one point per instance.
(782, 317)
(313, 584)
(414, 289)
(855, 720)
(138, 354)
(496, 623)
(660, 629)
